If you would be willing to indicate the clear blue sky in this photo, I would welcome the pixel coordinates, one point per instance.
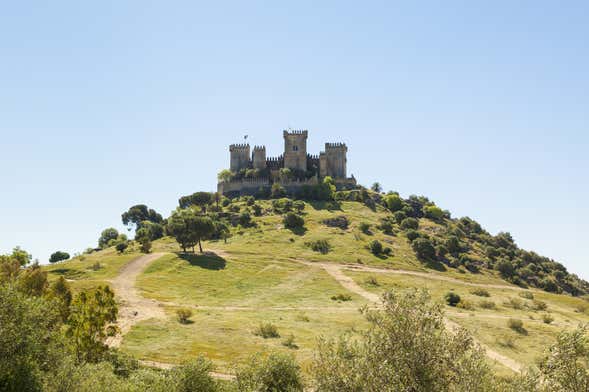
(481, 107)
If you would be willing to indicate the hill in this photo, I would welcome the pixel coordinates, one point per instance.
(310, 281)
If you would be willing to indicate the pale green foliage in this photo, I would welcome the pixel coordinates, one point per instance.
(91, 320)
(224, 175)
(273, 373)
(407, 348)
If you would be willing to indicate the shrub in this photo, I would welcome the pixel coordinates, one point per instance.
(341, 297)
(193, 376)
(290, 342)
(183, 315)
(465, 304)
(340, 222)
(282, 205)
(412, 235)
(514, 303)
(267, 331)
(364, 227)
(293, 221)
(487, 305)
(96, 266)
(302, 317)
(321, 246)
(371, 280)
(375, 247)
(299, 206)
(245, 219)
(453, 244)
(539, 305)
(452, 298)
(516, 325)
(547, 318)
(386, 227)
(424, 249)
(277, 191)
(257, 209)
(480, 292)
(433, 212)
(399, 216)
(387, 251)
(275, 372)
(410, 224)
(526, 295)
(393, 202)
(122, 246)
(441, 251)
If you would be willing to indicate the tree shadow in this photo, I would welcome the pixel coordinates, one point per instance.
(326, 205)
(298, 230)
(67, 272)
(207, 260)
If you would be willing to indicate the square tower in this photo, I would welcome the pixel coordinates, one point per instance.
(239, 157)
(335, 160)
(295, 150)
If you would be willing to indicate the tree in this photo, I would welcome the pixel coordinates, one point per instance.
(278, 191)
(452, 298)
(140, 213)
(58, 256)
(107, 235)
(20, 255)
(375, 247)
(272, 373)
(200, 199)
(92, 318)
(122, 246)
(189, 228)
(224, 175)
(143, 236)
(407, 348)
(32, 281)
(393, 202)
(424, 249)
(29, 328)
(376, 187)
(61, 294)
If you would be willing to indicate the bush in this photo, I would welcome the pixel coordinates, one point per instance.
(387, 251)
(58, 256)
(96, 266)
(465, 304)
(257, 209)
(321, 246)
(273, 373)
(122, 246)
(267, 331)
(452, 298)
(547, 318)
(364, 228)
(434, 213)
(277, 191)
(424, 249)
(193, 376)
(480, 292)
(375, 247)
(539, 305)
(183, 315)
(290, 342)
(487, 305)
(299, 206)
(514, 303)
(399, 216)
(516, 325)
(386, 227)
(393, 202)
(282, 206)
(341, 297)
(371, 280)
(526, 295)
(411, 235)
(410, 224)
(245, 219)
(293, 221)
(340, 222)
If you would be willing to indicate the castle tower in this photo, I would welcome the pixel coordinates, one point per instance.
(259, 157)
(336, 159)
(295, 150)
(240, 157)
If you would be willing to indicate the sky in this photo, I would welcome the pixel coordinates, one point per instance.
(480, 106)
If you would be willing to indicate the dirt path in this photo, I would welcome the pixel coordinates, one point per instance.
(336, 272)
(132, 306)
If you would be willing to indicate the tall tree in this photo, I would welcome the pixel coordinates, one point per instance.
(189, 228)
(140, 213)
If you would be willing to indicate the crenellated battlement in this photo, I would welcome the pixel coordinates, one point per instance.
(290, 132)
(238, 147)
(335, 145)
(259, 148)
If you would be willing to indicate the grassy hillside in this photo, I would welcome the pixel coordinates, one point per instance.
(265, 273)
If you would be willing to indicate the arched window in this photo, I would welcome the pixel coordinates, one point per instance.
(295, 148)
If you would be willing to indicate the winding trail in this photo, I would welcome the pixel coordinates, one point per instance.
(134, 308)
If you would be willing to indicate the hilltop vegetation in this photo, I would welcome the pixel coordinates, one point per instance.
(248, 286)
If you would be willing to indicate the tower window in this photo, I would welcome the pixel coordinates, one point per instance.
(295, 148)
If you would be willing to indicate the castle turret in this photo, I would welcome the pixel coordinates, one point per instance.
(240, 157)
(259, 157)
(295, 150)
(336, 159)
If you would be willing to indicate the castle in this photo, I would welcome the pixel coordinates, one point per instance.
(253, 172)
